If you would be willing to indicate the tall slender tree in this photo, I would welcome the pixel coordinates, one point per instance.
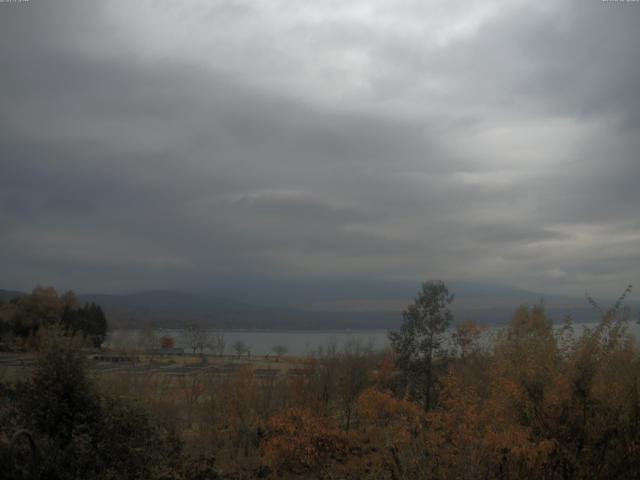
(420, 338)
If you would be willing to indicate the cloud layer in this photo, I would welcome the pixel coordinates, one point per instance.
(226, 145)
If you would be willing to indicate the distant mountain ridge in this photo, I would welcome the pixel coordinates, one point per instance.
(165, 299)
(487, 304)
(6, 295)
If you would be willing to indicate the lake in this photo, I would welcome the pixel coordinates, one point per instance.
(296, 342)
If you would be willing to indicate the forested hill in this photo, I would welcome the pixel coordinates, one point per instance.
(6, 295)
(490, 306)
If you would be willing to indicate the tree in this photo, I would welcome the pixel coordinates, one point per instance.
(167, 342)
(27, 314)
(59, 396)
(69, 299)
(94, 324)
(301, 442)
(148, 338)
(352, 377)
(88, 320)
(393, 431)
(420, 338)
(82, 432)
(279, 350)
(42, 307)
(466, 338)
(325, 374)
(218, 342)
(196, 338)
(240, 347)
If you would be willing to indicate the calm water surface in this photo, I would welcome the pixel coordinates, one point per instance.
(296, 343)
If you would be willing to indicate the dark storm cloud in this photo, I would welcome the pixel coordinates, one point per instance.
(189, 145)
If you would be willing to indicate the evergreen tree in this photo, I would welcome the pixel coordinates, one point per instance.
(420, 338)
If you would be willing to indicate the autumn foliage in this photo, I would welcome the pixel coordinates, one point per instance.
(167, 341)
(534, 402)
(302, 441)
(530, 400)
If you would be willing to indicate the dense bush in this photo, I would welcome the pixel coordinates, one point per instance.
(81, 433)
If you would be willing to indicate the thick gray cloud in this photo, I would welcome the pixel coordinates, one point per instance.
(227, 144)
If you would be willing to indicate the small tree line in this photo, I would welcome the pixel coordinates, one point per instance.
(22, 317)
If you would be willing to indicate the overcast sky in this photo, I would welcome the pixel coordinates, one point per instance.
(219, 144)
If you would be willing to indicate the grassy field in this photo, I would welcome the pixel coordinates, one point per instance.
(14, 366)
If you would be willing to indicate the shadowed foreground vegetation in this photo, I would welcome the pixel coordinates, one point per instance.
(529, 402)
